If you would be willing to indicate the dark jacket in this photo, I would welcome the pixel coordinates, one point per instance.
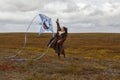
(53, 42)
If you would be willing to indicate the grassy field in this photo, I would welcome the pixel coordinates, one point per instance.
(89, 56)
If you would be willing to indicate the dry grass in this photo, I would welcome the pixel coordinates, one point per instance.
(90, 56)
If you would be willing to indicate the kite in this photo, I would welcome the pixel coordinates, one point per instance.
(46, 24)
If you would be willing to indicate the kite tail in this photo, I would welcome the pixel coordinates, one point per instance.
(24, 46)
(25, 40)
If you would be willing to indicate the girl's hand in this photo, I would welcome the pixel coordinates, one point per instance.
(57, 20)
(58, 41)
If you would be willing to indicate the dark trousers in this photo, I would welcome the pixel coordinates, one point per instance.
(59, 49)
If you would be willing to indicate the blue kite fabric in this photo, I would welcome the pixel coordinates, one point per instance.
(46, 24)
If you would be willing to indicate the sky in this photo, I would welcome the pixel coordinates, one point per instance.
(77, 15)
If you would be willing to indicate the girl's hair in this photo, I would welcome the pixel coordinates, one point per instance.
(66, 31)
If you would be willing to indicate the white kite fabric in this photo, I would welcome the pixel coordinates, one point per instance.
(45, 25)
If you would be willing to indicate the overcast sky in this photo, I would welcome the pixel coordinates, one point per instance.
(77, 15)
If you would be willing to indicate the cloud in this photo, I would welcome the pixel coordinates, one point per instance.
(78, 15)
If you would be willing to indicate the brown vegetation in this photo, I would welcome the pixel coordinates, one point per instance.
(89, 56)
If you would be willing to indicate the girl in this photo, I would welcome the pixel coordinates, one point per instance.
(57, 42)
